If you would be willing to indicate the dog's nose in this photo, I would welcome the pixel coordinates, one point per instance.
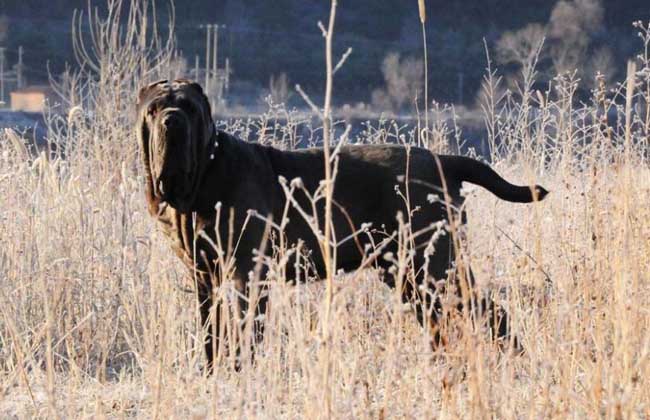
(169, 121)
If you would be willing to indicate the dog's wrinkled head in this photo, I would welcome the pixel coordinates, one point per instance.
(175, 127)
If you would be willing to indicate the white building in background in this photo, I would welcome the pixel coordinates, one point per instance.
(31, 98)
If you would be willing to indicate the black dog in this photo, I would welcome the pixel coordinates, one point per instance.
(190, 167)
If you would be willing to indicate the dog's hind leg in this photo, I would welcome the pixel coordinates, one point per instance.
(439, 294)
(499, 323)
(482, 307)
(257, 323)
(468, 300)
(423, 299)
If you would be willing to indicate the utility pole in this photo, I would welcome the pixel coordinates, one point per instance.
(19, 68)
(207, 57)
(220, 80)
(196, 67)
(2, 74)
(215, 79)
(227, 73)
(215, 43)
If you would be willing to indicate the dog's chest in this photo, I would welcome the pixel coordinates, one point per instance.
(191, 236)
(179, 229)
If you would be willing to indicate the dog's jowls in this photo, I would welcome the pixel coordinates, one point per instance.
(190, 167)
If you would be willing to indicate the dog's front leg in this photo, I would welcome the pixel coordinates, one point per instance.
(210, 309)
(251, 303)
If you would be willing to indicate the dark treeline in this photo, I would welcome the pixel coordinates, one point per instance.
(266, 38)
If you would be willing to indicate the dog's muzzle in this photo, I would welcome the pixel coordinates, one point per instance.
(173, 172)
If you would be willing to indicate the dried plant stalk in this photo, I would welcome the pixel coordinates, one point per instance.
(423, 11)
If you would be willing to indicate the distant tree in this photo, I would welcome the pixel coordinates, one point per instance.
(403, 82)
(569, 31)
(522, 46)
(279, 88)
(523, 49)
(570, 27)
(601, 63)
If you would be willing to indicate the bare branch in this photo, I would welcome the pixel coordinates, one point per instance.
(344, 57)
(311, 104)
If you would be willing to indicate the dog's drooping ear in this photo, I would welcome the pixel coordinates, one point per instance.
(142, 94)
(197, 87)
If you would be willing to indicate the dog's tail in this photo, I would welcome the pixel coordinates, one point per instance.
(475, 172)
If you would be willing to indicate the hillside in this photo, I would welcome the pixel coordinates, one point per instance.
(268, 38)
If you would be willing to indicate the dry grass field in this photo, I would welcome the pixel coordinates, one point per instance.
(98, 318)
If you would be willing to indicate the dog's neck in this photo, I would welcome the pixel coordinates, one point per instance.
(215, 167)
(214, 142)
